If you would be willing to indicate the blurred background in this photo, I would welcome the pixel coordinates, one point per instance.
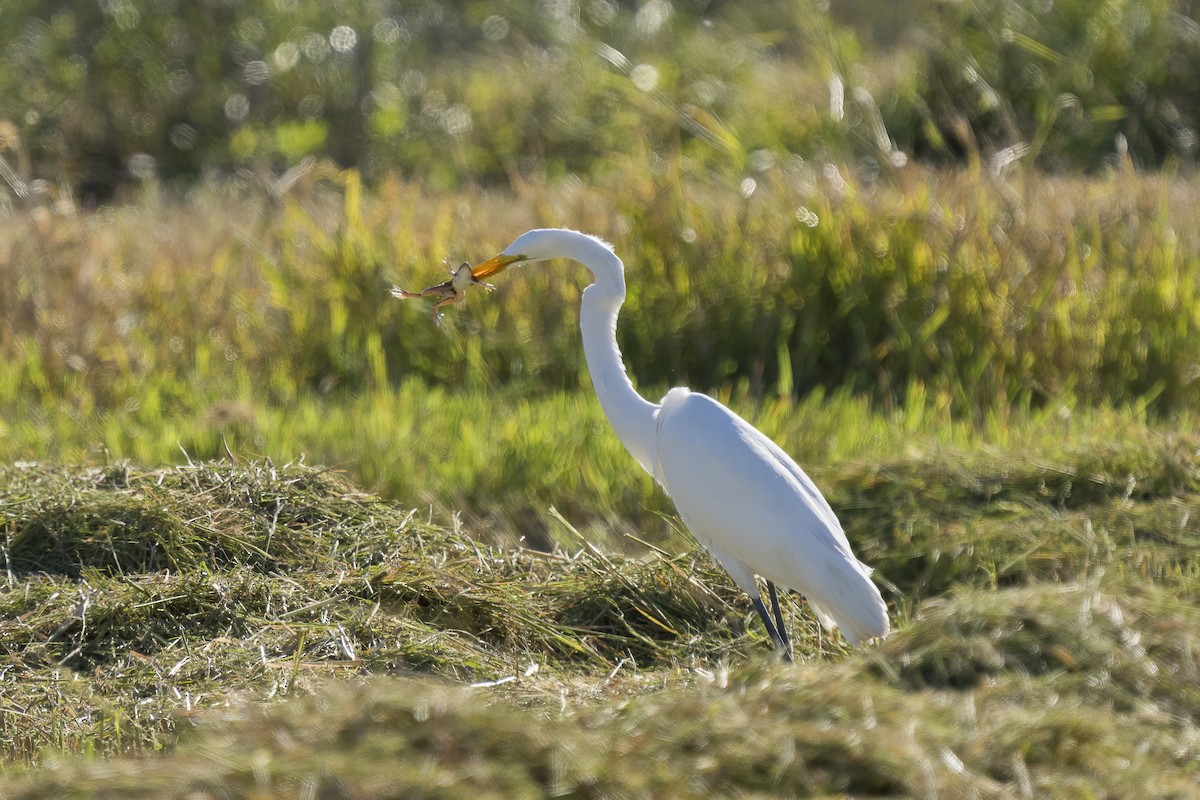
(886, 214)
(99, 94)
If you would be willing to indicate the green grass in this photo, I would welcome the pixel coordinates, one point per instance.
(99, 99)
(503, 458)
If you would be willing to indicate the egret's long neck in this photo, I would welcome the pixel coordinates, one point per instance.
(632, 416)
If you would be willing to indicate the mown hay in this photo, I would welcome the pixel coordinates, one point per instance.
(414, 660)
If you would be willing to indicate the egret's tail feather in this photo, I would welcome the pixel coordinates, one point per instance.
(859, 613)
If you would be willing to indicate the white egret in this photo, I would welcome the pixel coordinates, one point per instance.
(742, 496)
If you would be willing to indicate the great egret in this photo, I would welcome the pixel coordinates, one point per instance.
(743, 497)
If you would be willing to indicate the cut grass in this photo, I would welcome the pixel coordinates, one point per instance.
(1034, 723)
(186, 587)
(1045, 642)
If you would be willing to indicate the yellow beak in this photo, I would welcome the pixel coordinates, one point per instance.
(494, 265)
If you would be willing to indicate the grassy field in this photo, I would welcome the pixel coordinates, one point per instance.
(267, 532)
(1045, 640)
(473, 590)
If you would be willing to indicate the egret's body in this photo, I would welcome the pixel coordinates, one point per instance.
(742, 496)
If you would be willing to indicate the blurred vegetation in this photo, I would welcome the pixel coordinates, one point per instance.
(1030, 292)
(101, 94)
(753, 166)
(1063, 82)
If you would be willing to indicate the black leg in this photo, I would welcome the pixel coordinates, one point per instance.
(779, 642)
(783, 635)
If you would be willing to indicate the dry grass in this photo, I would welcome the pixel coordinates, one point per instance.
(179, 589)
(272, 631)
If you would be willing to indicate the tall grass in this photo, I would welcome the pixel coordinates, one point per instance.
(1075, 85)
(1029, 292)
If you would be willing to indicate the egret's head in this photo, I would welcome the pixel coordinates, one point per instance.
(538, 245)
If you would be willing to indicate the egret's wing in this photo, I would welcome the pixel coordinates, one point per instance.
(740, 493)
(704, 449)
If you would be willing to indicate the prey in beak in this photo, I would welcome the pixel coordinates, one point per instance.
(452, 291)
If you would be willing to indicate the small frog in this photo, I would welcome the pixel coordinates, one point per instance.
(452, 291)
